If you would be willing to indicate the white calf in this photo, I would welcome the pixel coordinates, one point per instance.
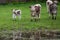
(16, 13)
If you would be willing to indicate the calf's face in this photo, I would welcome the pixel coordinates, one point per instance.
(37, 8)
(32, 8)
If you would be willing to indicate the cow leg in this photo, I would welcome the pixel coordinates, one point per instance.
(38, 16)
(35, 18)
(55, 16)
(14, 16)
(52, 16)
(49, 14)
(19, 16)
(32, 18)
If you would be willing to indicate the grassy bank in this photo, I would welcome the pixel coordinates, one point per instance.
(6, 22)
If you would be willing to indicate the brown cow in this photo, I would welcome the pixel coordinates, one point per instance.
(35, 11)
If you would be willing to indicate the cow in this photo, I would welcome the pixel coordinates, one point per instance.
(53, 10)
(35, 11)
(48, 2)
(16, 12)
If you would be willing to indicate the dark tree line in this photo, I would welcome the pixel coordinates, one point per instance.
(17, 1)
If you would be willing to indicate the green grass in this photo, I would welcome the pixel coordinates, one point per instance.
(6, 22)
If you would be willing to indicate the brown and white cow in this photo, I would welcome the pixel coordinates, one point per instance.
(16, 13)
(35, 11)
